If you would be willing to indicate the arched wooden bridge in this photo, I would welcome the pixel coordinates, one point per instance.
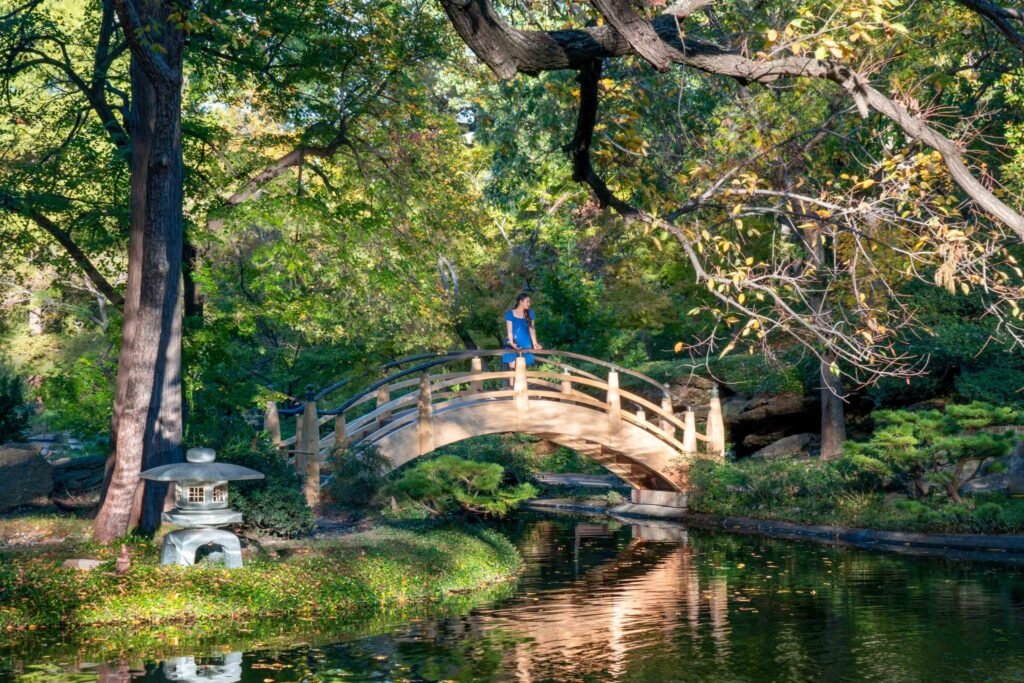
(446, 398)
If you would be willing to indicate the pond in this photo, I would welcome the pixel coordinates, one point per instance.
(608, 601)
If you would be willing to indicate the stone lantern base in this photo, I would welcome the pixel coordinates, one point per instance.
(180, 546)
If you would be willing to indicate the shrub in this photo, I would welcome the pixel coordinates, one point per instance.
(448, 484)
(274, 505)
(513, 452)
(863, 472)
(614, 499)
(358, 475)
(934, 447)
(14, 412)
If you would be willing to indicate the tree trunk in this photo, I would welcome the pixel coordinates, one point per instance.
(147, 423)
(833, 413)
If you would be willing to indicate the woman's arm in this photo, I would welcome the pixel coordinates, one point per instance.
(533, 333)
(508, 335)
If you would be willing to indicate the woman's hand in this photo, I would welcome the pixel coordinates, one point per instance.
(537, 345)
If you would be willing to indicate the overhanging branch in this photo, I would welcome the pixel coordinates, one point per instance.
(508, 51)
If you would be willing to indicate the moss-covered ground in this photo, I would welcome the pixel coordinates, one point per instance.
(382, 569)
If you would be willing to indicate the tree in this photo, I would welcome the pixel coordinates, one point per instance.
(147, 424)
(830, 288)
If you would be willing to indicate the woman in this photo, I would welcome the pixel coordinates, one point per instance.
(519, 331)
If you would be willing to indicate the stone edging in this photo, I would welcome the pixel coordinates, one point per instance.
(1001, 547)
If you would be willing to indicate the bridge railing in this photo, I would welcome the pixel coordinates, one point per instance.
(438, 382)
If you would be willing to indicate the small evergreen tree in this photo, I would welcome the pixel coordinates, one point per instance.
(448, 484)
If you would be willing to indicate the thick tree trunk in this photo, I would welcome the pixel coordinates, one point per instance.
(833, 412)
(147, 404)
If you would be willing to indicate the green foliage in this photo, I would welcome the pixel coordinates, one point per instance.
(846, 492)
(447, 484)
(79, 396)
(274, 505)
(14, 411)
(614, 498)
(931, 447)
(567, 461)
(513, 452)
(357, 475)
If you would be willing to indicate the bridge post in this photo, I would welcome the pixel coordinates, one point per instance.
(383, 397)
(690, 433)
(340, 440)
(272, 423)
(566, 383)
(716, 424)
(667, 427)
(476, 366)
(425, 421)
(311, 448)
(299, 419)
(614, 405)
(520, 388)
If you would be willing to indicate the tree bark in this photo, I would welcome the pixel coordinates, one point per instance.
(833, 412)
(147, 423)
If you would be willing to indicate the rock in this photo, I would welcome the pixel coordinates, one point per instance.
(995, 483)
(25, 475)
(756, 441)
(78, 474)
(694, 393)
(81, 565)
(763, 407)
(791, 445)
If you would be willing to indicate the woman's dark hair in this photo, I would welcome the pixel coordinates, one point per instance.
(519, 300)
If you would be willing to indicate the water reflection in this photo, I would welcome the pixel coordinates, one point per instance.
(226, 668)
(653, 602)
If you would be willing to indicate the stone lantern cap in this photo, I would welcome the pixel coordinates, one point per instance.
(200, 466)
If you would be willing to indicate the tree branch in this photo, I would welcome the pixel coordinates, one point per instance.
(157, 70)
(272, 171)
(15, 205)
(636, 31)
(579, 149)
(1000, 18)
(508, 51)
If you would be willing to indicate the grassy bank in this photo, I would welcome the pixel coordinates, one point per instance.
(385, 568)
(842, 493)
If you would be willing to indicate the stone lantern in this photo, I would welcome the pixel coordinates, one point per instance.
(201, 497)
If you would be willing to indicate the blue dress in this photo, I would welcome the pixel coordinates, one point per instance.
(521, 336)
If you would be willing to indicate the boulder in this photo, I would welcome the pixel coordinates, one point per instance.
(791, 445)
(764, 407)
(694, 393)
(25, 475)
(1003, 482)
(75, 475)
(756, 441)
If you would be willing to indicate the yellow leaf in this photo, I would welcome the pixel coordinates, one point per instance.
(772, 35)
(678, 347)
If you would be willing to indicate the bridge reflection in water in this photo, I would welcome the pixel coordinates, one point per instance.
(635, 599)
(591, 603)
